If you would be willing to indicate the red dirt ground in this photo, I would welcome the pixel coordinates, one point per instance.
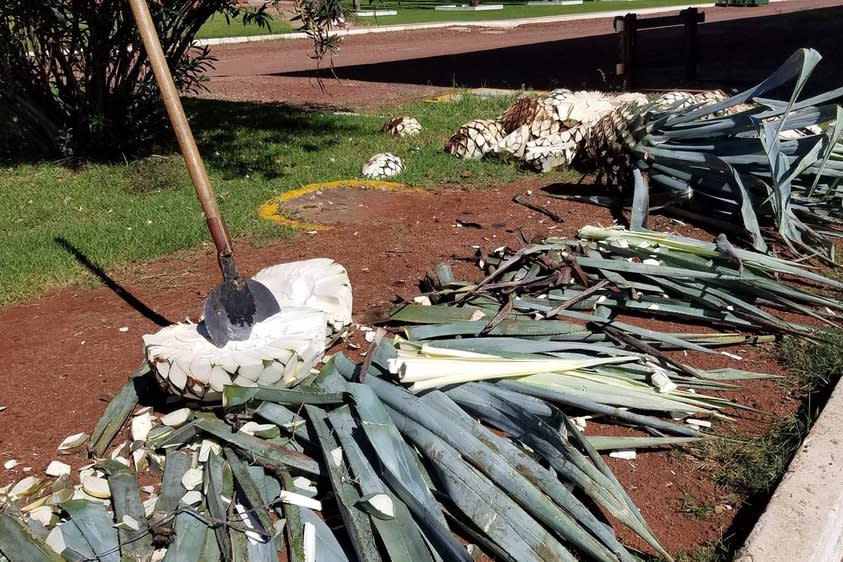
(66, 355)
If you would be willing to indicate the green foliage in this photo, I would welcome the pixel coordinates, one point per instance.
(75, 79)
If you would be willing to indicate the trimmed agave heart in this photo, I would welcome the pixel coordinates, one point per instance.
(383, 165)
(404, 126)
(474, 139)
(315, 298)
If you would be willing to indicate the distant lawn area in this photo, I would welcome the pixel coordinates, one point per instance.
(135, 211)
(218, 27)
(422, 11)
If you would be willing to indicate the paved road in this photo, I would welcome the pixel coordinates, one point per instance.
(739, 45)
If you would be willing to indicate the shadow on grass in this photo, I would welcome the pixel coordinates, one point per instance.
(242, 138)
(232, 136)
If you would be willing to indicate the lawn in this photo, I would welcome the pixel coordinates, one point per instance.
(422, 11)
(217, 26)
(127, 212)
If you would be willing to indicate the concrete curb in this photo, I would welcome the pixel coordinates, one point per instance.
(804, 519)
(496, 24)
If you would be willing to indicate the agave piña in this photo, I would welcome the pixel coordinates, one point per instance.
(315, 300)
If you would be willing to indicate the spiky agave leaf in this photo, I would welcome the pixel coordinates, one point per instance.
(734, 172)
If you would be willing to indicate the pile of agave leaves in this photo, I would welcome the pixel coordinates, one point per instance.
(468, 425)
(464, 435)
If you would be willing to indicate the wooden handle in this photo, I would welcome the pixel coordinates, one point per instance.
(216, 224)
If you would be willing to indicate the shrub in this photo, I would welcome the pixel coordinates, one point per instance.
(75, 79)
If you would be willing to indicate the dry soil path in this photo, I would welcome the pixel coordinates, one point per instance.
(739, 46)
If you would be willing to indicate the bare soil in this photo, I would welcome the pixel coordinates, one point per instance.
(68, 352)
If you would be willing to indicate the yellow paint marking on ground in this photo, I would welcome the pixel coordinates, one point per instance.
(271, 210)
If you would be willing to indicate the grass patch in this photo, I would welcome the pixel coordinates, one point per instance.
(217, 26)
(122, 213)
(424, 12)
(752, 468)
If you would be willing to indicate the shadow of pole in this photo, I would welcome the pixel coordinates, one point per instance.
(118, 289)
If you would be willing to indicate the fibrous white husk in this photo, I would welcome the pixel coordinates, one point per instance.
(383, 165)
(554, 151)
(404, 126)
(474, 139)
(315, 300)
(319, 283)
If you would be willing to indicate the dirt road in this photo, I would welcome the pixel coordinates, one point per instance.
(739, 46)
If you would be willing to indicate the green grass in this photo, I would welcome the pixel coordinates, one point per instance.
(423, 12)
(218, 27)
(129, 212)
(752, 468)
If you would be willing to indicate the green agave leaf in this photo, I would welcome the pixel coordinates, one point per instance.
(259, 449)
(19, 543)
(219, 484)
(357, 524)
(400, 535)
(126, 499)
(96, 527)
(605, 443)
(116, 413)
(190, 538)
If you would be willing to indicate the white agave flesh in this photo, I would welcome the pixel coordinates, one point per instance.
(96, 487)
(57, 468)
(55, 540)
(219, 378)
(185, 347)
(191, 498)
(25, 487)
(271, 374)
(177, 417)
(128, 523)
(141, 425)
(192, 478)
(44, 515)
(300, 500)
(379, 505)
(73, 441)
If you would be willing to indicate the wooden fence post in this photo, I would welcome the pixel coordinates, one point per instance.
(626, 27)
(690, 17)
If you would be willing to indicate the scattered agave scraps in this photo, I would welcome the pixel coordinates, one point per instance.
(471, 425)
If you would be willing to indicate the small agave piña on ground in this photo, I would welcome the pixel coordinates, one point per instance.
(383, 165)
(315, 299)
(404, 126)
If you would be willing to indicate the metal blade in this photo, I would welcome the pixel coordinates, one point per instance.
(230, 313)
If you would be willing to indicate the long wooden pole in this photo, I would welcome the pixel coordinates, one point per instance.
(181, 127)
